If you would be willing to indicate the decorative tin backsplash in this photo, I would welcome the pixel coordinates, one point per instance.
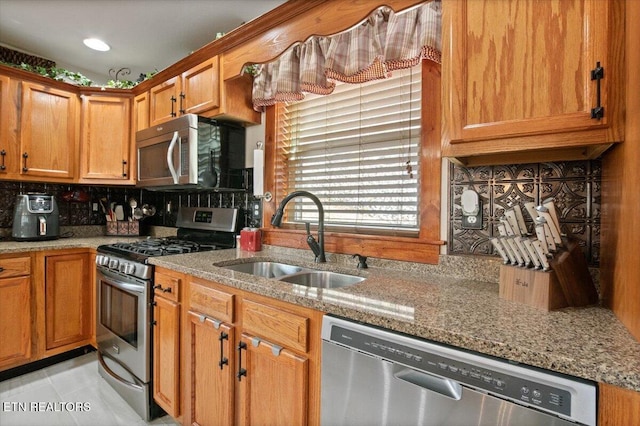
(574, 185)
(79, 213)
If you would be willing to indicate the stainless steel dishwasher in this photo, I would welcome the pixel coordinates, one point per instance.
(371, 376)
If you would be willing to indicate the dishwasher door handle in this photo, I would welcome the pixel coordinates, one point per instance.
(440, 385)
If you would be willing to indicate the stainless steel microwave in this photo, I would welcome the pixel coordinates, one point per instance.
(191, 152)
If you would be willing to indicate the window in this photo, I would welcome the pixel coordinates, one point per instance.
(358, 151)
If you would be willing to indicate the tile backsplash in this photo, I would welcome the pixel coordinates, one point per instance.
(75, 213)
(574, 185)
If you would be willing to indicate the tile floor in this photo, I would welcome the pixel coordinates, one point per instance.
(87, 399)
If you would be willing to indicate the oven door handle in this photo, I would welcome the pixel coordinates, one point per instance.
(138, 385)
(128, 287)
(172, 167)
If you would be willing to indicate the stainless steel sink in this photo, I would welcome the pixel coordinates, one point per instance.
(265, 269)
(322, 279)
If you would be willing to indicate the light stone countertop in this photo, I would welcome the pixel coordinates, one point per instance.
(446, 303)
(584, 342)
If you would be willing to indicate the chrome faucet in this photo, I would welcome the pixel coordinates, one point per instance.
(317, 247)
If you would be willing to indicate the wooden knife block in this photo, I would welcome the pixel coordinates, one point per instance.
(567, 284)
(531, 287)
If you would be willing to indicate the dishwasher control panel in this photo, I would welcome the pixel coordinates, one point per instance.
(518, 383)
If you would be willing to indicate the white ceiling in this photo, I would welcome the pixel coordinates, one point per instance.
(144, 35)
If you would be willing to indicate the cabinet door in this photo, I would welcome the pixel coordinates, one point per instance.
(15, 320)
(166, 355)
(140, 112)
(8, 157)
(274, 390)
(211, 366)
(200, 88)
(163, 100)
(523, 68)
(67, 299)
(49, 132)
(106, 139)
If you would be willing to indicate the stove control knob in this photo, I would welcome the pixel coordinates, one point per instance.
(128, 268)
(113, 263)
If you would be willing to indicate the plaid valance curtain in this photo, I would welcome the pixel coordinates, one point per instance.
(386, 41)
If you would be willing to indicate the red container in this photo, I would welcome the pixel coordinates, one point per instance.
(251, 239)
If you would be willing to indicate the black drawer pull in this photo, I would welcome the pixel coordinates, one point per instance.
(223, 361)
(241, 371)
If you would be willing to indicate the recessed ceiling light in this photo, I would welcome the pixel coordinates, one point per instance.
(96, 44)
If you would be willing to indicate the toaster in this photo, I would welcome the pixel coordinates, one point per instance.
(35, 217)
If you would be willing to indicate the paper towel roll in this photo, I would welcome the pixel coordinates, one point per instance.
(258, 172)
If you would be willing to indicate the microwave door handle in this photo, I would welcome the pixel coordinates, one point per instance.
(172, 168)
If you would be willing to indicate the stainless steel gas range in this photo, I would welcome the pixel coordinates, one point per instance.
(124, 280)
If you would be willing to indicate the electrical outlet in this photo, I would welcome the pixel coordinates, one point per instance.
(473, 221)
(471, 210)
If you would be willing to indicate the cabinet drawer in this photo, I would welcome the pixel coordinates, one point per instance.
(167, 286)
(276, 325)
(15, 267)
(209, 301)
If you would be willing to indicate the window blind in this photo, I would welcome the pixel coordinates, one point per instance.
(357, 149)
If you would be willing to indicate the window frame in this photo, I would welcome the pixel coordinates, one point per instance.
(425, 247)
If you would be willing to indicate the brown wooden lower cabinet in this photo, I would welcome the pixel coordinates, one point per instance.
(166, 341)
(46, 304)
(251, 360)
(210, 371)
(68, 293)
(15, 310)
(617, 406)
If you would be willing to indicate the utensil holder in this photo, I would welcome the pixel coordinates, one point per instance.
(123, 227)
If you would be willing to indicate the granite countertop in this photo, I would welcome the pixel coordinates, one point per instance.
(445, 303)
(59, 244)
(584, 342)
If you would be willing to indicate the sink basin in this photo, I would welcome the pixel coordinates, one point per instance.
(265, 269)
(322, 279)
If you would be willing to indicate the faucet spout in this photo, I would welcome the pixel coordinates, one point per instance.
(316, 247)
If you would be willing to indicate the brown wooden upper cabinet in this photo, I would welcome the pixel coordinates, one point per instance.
(49, 128)
(106, 140)
(527, 81)
(195, 91)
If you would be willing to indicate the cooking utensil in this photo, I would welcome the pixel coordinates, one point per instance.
(508, 251)
(137, 213)
(543, 212)
(148, 210)
(538, 246)
(510, 215)
(530, 207)
(528, 244)
(119, 212)
(498, 245)
(550, 204)
(133, 203)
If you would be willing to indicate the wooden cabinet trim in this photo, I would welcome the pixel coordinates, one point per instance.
(210, 301)
(276, 325)
(166, 355)
(15, 266)
(167, 286)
